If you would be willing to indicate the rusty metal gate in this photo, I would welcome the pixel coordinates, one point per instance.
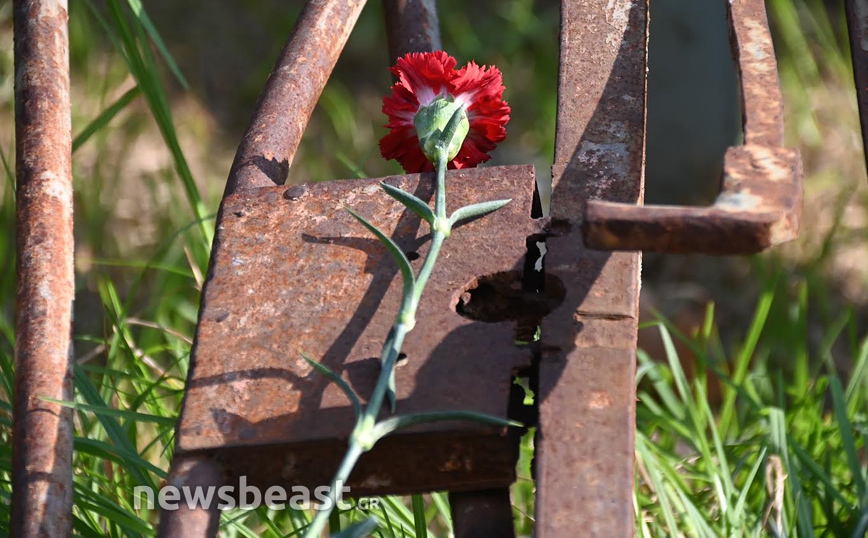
(252, 409)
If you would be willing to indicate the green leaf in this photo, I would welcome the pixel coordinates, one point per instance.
(105, 117)
(845, 428)
(393, 424)
(394, 250)
(111, 412)
(337, 380)
(142, 15)
(412, 203)
(476, 210)
(451, 130)
(420, 524)
(360, 529)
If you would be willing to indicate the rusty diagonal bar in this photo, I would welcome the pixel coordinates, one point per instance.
(857, 22)
(760, 202)
(263, 159)
(291, 93)
(43, 431)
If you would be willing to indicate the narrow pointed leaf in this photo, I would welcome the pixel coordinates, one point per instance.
(394, 250)
(360, 529)
(476, 210)
(450, 130)
(412, 203)
(112, 412)
(393, 424)
(337, 380)
(105, 117)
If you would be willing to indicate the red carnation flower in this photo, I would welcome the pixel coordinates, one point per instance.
(424, 77)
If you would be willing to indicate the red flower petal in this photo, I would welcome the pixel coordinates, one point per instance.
(424, 76)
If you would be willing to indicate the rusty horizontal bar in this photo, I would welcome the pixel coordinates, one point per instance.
(758, 208)
(857, 22)
(42, 430)
(585, 444)
(411, 26)
(292, 270)
(760, 202)
(293, 88)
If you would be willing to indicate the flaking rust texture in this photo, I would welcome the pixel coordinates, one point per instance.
(294, 272)
(760, 202)
(585, 444)
(43, 433)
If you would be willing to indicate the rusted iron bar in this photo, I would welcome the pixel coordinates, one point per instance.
(585, 446)
(482, 514)
(43, 431)
(291, 93)
(857, 22)
(761, 195)
(411, 26)
(197, 522)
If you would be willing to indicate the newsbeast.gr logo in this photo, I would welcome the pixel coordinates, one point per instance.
(172, 497)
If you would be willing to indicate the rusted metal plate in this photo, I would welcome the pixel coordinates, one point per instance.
(857, 22)
(291, 93)
(411, 26)
(43, 432)
(584, 461)
(760, 202)
(292, 270)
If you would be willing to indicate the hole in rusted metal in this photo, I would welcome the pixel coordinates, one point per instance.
(402, 359)
(500, 297)
(413, 256)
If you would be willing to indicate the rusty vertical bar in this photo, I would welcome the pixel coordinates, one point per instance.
(585, 450)
(857, 22)
(43, 432)
(482, 514)
(196, 473)
(291, 93)
(411, 26)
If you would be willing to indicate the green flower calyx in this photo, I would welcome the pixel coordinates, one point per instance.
(430, 122)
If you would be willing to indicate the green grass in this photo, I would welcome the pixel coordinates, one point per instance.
(780, 453)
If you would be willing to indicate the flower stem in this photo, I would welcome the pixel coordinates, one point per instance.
(361, 439)
(319, 521)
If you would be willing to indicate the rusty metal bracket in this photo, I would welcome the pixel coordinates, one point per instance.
(42, 430)
(857, 22)
(761, 193)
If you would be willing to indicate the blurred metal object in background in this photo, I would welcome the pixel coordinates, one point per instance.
(857, 22)
(43, 430)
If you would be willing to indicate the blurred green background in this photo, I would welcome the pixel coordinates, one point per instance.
(753, 382)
